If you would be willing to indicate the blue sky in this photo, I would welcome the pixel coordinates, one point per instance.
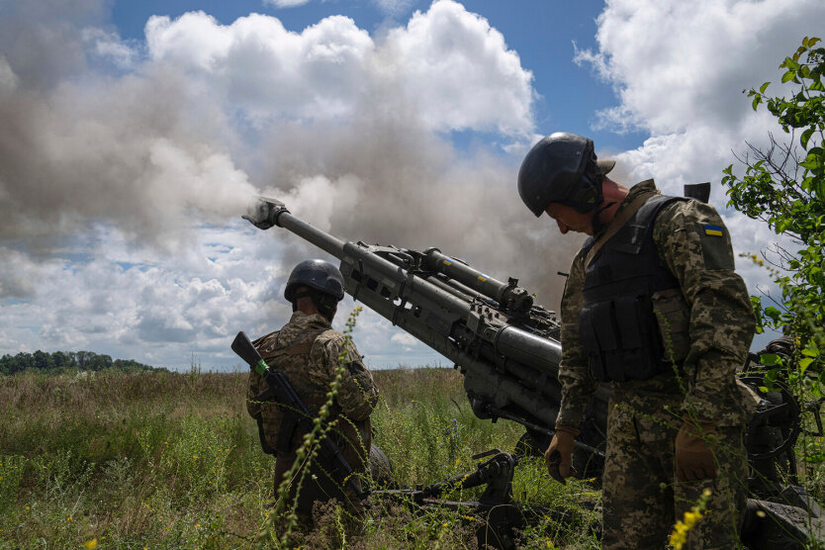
(134, 134)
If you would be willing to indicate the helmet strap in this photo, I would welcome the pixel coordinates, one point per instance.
(598, 226)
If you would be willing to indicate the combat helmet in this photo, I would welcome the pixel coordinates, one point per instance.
(562, 168)
(324, 281)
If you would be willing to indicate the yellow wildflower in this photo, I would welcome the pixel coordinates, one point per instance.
(680, 531)
(90, 544)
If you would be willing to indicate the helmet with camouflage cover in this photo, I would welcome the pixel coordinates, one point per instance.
(562, 168)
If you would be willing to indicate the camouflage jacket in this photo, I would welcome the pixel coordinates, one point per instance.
(308, 351)
(721, 324)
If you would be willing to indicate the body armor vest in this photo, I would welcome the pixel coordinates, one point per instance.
(619, 330)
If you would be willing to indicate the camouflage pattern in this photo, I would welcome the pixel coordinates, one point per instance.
(308, 352)
(645, 415)
(641, 499)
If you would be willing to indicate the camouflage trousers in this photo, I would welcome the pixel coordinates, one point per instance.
(642, 500)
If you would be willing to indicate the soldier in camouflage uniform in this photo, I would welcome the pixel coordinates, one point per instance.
(652, 307)
(309, 352)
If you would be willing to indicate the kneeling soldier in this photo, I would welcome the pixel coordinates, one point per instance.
(309, 352)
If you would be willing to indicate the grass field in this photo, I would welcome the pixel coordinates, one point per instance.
(171, 460)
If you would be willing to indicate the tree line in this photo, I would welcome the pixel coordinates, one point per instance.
(62, 361)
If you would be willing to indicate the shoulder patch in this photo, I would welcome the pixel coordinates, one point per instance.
(714, 231)
(716, 248)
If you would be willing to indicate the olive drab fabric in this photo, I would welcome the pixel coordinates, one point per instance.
(308, 352)
(642, 498)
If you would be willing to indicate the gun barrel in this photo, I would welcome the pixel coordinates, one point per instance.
(321, 239)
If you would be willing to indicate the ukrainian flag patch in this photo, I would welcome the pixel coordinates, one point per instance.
(713, 230)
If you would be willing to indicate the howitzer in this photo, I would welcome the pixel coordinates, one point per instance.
(297, 416)
(507, 348)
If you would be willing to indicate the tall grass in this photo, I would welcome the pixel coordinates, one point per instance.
(171, 460)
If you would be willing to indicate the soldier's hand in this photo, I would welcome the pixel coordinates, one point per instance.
(695, 445)
(559, 453)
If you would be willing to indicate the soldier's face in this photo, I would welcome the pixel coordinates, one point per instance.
(570, 219)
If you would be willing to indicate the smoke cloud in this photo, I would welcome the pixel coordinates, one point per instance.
(121, 162)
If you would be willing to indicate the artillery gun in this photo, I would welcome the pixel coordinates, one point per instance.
(507, 347)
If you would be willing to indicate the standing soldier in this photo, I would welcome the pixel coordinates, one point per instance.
(309, 352)
(653, 307)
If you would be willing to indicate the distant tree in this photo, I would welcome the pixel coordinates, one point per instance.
(83, 359)
(60, 361)
(784, 185)
(22, 361)
(43, 361)
(100, 362)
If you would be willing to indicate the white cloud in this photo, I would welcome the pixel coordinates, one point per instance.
(8, 80)
(286, 3)
(259, 66)
(459, 71)
(677, 62)
(150, 307)
(403, 339)
(679, 69)
(109, 45)
(393, 7)
(447, 66)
